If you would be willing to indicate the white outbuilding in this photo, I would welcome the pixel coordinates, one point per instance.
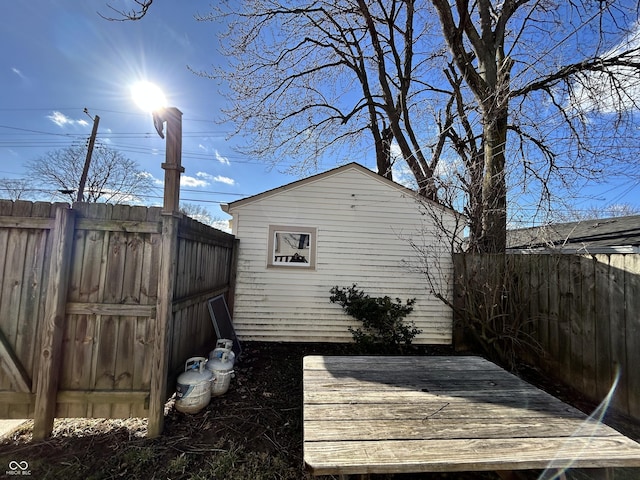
(344, 226)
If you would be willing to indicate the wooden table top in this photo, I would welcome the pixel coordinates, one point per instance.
(371, 414)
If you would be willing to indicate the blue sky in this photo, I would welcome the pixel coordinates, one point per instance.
(60, 56)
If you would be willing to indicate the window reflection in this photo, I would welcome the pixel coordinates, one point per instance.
(291, 247)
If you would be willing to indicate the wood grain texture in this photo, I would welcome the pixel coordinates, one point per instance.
(105, 307)
(371, 414)
(54, 324)
(583, 319)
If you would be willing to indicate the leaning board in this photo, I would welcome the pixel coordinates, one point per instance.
(222, 323)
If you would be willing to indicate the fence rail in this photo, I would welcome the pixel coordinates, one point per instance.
(581, 311)
(99, 307)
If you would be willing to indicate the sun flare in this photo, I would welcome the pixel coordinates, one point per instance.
(148, 96)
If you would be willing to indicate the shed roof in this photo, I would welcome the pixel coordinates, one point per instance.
(603, 234)
(335, 171)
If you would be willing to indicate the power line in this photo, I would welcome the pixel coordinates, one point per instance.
(216, 133)
(189, 190)
(40, 132)
(100, 110)
(56, 193)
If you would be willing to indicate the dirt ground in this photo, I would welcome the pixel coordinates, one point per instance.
(252, 432)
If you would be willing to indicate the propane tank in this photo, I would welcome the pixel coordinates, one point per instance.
(221, 368)
(227, 344)
(193, 389)
(224, 343)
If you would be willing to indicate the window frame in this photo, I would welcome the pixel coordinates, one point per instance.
(275, 229)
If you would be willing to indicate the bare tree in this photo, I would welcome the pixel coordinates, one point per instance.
(484, 98)
(15, 188)
(203, 215)
(112, 177)
(139, 10)
(332, 78)
(564, 56)
(595, 212)
(514, 96)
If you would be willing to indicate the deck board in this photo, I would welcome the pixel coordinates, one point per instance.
(435, 414)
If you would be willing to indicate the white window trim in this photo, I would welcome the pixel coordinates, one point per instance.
(311, 231)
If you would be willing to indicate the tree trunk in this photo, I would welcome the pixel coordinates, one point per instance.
(474, 205)
(383, 154)
(494, 186)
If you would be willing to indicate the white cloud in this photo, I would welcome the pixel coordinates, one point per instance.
(202, 179)
(221, 159)
(59, 119)
(107, 140)
(402, 175)
(187, 181)
(400, 170)
(218, 156)
(216, 178)
(156, 181)
(18, 72)
(62, 120)
(596, 93)
(226, 180)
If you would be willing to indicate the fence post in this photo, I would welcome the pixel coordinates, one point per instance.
(164, 320)
(168, 268)
(54, 321)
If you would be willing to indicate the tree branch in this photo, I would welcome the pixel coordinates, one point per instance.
(131, 15)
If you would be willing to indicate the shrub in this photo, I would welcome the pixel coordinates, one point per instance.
(383, 329)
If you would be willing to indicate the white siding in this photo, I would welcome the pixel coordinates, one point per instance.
(363, 230)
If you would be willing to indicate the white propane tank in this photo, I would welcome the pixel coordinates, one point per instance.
(228, 344)
(222, 369)
(193, 389)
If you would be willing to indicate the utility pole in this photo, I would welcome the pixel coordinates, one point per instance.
(87, 162)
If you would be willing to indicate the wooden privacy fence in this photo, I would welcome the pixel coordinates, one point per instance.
(580, 312)
(100, 305)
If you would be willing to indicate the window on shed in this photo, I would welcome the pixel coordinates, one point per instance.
(292, 247)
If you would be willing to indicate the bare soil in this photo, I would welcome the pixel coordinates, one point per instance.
(253, 432)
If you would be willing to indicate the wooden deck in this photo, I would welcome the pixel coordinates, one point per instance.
(443, 414)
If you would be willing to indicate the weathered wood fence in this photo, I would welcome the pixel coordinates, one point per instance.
(582, 313)
(100, 305)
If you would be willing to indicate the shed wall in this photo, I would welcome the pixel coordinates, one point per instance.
(364, 230)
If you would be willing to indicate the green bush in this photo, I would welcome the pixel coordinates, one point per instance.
(383, 329)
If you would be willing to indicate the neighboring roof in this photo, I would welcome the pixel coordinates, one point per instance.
(328, 173)
(599, 235)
